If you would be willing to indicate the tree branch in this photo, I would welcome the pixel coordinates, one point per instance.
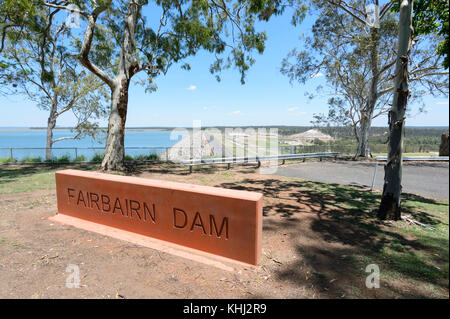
(339, 5)
(385, 9)
(66, 138)
(72, 10)
(381, 93)
(86, 47)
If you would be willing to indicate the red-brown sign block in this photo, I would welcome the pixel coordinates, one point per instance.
(220, 221)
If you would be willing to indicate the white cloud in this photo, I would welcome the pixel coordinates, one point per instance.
(292, 109)
(192, 88)
(442, 102)
(236, 112)
(316, 75)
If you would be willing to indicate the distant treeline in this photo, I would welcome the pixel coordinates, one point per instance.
(338, 132)
(347, 132)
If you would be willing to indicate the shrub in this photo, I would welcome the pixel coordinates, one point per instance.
(32, 159)
(151, 157)
(63, 159)
(129, 158)
(7, 160)
(97, 158)
(80, 158)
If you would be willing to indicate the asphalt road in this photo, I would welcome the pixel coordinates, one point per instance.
(425, 179)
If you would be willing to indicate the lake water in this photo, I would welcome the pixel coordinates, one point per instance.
(136, 143)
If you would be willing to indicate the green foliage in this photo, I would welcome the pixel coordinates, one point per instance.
(80, 158)
(431, 16)
(341, 49)
(349, 54)
(97, 158)
(150, 157)
(14, 15)
(62, 159)
(223, 28)
(32, 159)
(41, 66)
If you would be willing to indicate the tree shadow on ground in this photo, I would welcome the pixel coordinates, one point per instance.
(10, 173)
(335, 221)
(176, 169)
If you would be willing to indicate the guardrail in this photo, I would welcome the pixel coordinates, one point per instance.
(407, 158)
(416, 158)
(257, 159)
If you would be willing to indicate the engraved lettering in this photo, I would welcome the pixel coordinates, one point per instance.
(152, 216)
(194, 223)
(175, 211)
(106, 207)
(135, 209)
(91, 196)
(117, 205)
(68, 192)
(212, 222)
(81, 198)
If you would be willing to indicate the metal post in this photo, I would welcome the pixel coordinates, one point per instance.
(245, 149)
(167, 154)
(374, 175)
(76, 153)
(190, 169)
(11, 154)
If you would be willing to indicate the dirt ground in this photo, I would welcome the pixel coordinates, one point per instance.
(306, 252)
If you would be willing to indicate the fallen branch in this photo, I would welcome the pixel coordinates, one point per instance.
(413, 221)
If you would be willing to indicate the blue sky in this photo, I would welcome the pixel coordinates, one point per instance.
(267, 98)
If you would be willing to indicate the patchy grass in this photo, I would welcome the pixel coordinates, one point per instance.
(413, 260)
(28, 178)
(42, 180)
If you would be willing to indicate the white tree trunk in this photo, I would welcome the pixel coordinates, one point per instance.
(363, 141)
(367, 116)
(51, 123)
(392, 189)
(114, 157)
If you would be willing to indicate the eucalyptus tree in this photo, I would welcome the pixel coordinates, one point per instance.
(431, 16)
(48, 74)
(354, 51)
(127, 44)
(392, 189)
(14, 14)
